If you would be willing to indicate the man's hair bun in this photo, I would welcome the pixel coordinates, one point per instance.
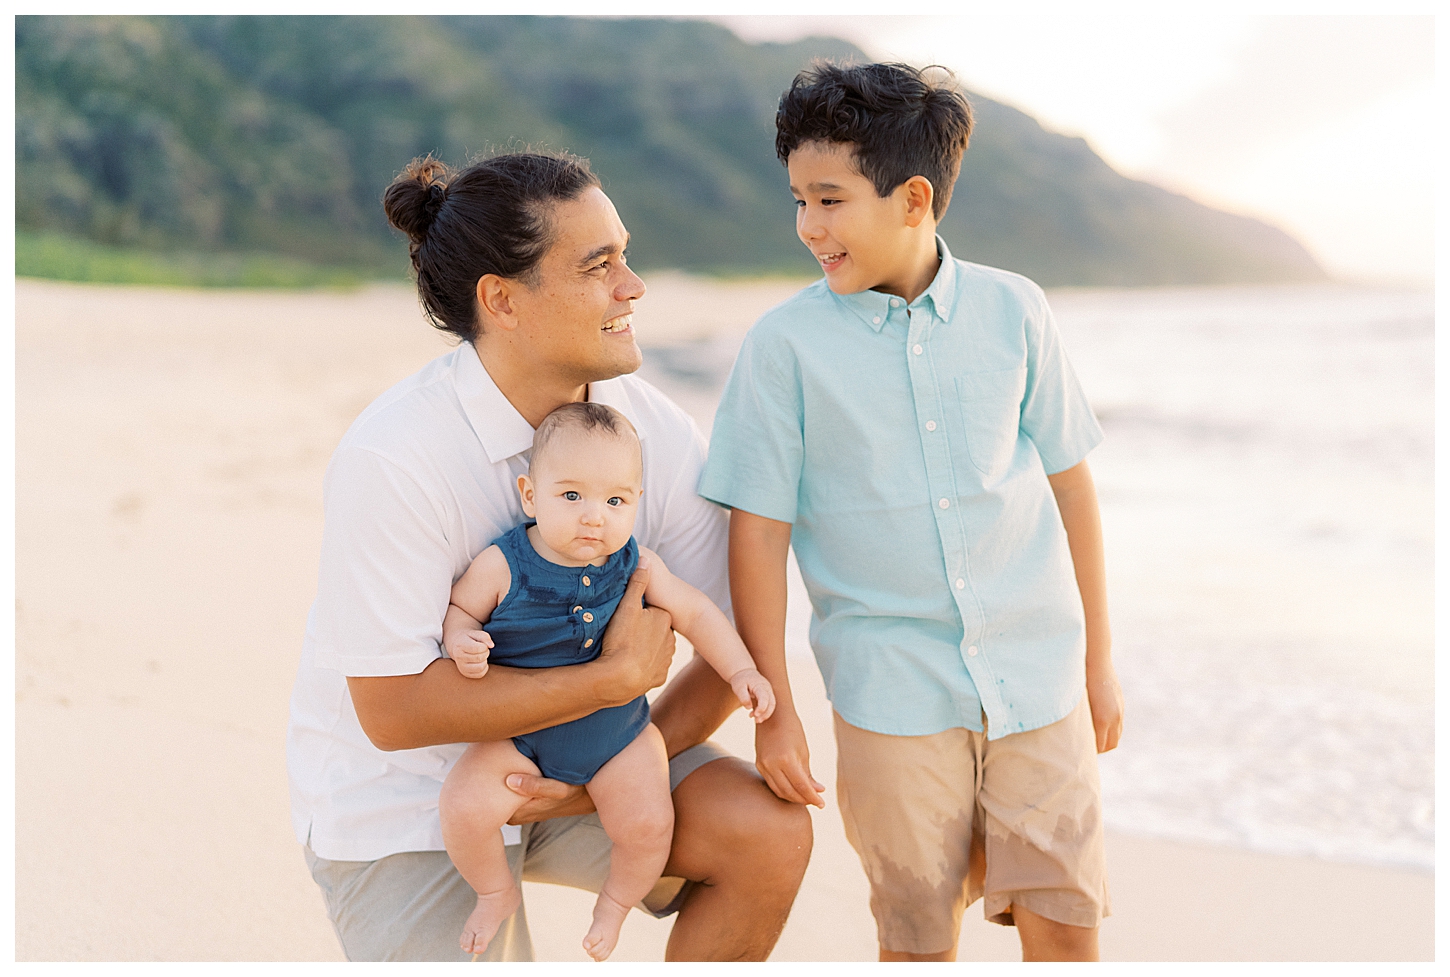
(412, 201)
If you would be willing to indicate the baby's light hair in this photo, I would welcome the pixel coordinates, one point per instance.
(584, 417)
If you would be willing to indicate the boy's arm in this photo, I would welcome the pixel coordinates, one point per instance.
(1077, 501)
(758, 548)
(696, 617)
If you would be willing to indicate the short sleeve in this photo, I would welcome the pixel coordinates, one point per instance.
(386, 570)
(1055, 411)
(757, 443)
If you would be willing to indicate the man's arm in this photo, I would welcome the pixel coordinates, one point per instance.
(438, 705)
(758, 548)
(1077, 501)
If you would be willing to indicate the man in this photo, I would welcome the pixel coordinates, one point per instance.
(522, 256)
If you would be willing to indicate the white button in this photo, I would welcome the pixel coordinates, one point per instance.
(931, 425)
(876, 320)
(944, 504)
(896, 303)
(578, 608)
(961, 583)
(916, 349)
(585, 581)
(588, 618)
(972, 652)
(588, 642)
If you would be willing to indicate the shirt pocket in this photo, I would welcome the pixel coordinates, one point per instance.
(991, 405)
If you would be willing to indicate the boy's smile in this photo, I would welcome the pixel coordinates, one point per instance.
(861, 240)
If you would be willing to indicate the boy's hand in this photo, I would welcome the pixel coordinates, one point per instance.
(784, 761)
(469, 651)
(1105, 699)
(754, 692)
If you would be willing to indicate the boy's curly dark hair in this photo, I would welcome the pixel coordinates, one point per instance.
(902, 122)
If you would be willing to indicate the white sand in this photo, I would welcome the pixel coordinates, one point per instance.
(169, 449)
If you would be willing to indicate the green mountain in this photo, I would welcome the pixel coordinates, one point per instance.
(278, 134)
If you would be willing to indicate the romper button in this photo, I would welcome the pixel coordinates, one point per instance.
(585, 581)
(916, 349)
(588, 642)
(931, 425)
(577, 608)
(972, 652)
(943, 503)
(588, 618)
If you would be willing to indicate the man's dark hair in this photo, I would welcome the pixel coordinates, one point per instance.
(490, 219)
(901, 121)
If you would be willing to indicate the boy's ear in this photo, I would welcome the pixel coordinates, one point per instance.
(496, 301)
(919, 195)
(526, 495)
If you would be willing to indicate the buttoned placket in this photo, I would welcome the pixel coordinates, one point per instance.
(941, 479)
(583, 607)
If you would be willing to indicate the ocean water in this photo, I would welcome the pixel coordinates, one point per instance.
(1267, 486)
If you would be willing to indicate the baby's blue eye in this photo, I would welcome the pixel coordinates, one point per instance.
(572, 496)
(616, 500)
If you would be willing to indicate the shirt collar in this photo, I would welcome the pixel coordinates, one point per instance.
(873, 307)
(500, 428)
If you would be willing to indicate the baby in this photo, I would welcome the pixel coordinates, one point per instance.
(546, 590)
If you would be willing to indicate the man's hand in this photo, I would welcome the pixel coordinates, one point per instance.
(547, 798)
(469, 651)
(783, 759)
(638, 643)
(1105, 699)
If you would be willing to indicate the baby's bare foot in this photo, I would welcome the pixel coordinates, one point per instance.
(608, 918)
(492, 909)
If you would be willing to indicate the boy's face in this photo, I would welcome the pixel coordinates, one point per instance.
(859, 238)
(584, 493)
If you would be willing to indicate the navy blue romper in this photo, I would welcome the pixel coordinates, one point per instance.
(555, 615)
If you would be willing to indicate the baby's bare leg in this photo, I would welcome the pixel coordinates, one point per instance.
(473, 805)
(632, 793)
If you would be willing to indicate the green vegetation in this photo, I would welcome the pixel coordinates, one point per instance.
(72, 259)
(227, 136)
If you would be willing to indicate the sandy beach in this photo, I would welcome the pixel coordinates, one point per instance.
(170, 447)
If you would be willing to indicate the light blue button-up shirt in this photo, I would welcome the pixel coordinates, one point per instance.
(909, 446)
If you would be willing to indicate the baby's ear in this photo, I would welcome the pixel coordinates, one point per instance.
(526, 495)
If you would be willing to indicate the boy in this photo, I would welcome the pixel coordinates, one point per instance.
(911, 425)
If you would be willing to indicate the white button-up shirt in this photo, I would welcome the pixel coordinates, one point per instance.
(422, 482)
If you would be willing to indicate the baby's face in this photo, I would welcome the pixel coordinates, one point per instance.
(584, 494)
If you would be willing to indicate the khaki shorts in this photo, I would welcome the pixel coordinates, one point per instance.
(920, 810)
(411, 906)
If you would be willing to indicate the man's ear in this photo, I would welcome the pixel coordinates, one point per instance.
(526, 495)
(919, 195)
(496, 303)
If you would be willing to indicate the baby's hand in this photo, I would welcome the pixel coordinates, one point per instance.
(469, 651)
(754, 692)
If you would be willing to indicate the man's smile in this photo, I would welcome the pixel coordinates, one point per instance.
(619, 323)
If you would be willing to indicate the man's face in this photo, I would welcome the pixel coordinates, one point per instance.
(584, 493)
(576, 318)
(858, 237)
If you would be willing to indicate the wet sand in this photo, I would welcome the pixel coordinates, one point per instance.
(170, 446)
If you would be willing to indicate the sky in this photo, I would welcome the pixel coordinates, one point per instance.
(1319, 124)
